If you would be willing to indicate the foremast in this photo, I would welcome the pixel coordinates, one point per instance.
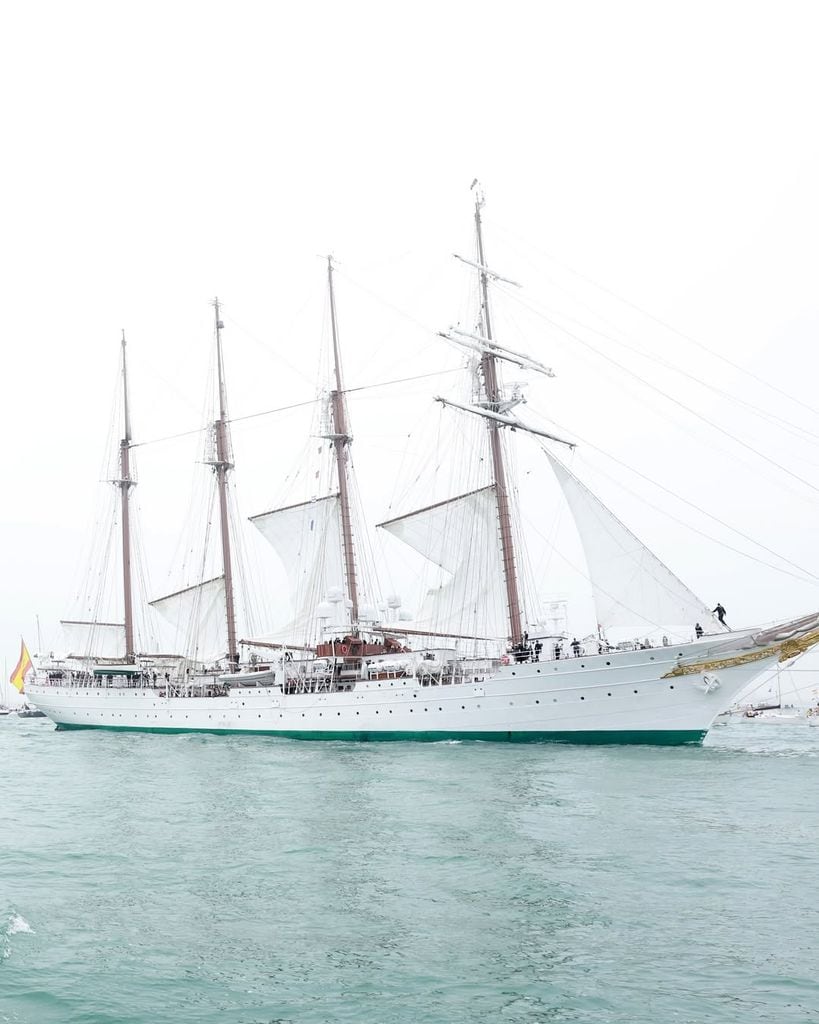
(341, 440)
(494, 400)
(125, 483)
(222, 464)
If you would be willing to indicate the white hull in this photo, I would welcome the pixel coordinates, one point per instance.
(617, 697)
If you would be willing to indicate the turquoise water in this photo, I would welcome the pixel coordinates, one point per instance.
(249, 881)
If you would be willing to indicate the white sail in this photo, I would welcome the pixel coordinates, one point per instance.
(94, 639)
(461, 536)
(198, 615)
(308, 540)
(632, 587)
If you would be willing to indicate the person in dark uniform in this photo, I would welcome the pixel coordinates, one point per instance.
(576, 647)
(698, 630)
(719, 611)
(538, 649)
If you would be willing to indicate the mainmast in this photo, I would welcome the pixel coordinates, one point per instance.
(341, 439)
(493, 402)
(221, 466)
(125, 483)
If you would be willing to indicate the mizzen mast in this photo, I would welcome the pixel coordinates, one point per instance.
(125, 483)
(342, 439)
(222, 465)
(494, 402)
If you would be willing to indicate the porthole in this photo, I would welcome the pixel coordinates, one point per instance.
(537, 702)
(463, 707)
(514, 673)
(671, 687)
(582, 698)
(608, 662)
(538, 671)
(608, 694)
(635, 691)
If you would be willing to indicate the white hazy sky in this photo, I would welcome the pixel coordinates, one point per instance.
(157, 154)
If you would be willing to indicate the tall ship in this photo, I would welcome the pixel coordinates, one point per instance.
(472, 663)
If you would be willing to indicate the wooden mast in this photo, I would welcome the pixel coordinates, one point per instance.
(341, 442)
(125, 483)
(494, 398)
(222, 466)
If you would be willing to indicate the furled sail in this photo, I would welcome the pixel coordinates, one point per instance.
(632, 588)
(308, 540)
(94, 639)
(460, 535)
(199, 617)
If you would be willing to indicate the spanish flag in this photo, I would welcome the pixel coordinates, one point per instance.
(18, 676)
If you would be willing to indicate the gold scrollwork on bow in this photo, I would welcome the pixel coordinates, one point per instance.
(786, 650)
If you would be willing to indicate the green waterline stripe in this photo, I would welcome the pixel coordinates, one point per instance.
(650, 737)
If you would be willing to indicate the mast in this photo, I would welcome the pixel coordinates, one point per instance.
(125, 483)
(493, 399)
(221, 466)
(341, 442)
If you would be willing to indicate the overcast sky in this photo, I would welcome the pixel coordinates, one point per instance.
(158, 154)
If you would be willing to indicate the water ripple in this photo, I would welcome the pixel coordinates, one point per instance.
(248, 881)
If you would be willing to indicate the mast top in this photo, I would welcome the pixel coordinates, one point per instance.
(219, 327)
(334, 329)
(126, 411)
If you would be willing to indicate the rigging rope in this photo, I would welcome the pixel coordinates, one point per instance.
(666, 396)
(295, 405)
(667, 326)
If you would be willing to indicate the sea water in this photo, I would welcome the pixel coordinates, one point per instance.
(154, 879)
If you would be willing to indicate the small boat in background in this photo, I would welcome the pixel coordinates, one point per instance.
(27, 711)
(17, 686)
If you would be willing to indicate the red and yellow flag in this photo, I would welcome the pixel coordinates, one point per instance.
(18, 676)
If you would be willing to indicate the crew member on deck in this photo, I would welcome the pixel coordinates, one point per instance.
(698, 630)
(719, 611)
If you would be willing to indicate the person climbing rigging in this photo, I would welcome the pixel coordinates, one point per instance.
(719, 611)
